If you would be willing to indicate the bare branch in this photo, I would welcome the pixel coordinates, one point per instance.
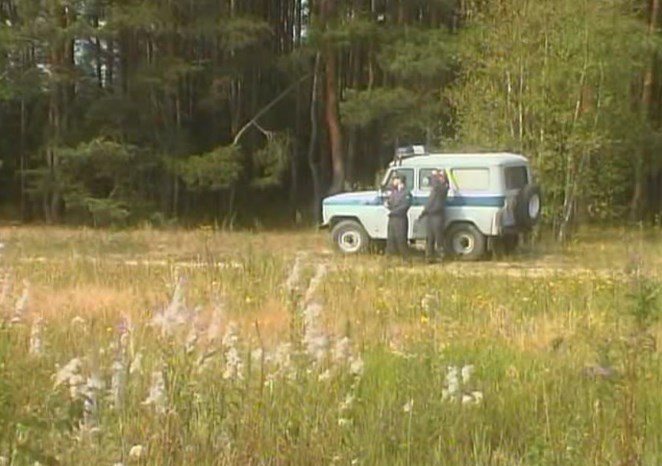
(266, 108)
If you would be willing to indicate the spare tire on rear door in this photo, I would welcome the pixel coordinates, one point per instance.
(528, 207)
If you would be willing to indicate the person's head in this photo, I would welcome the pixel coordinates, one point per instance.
(442, 174)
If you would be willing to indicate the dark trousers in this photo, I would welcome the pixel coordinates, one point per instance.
(434, 236)
(396, 236)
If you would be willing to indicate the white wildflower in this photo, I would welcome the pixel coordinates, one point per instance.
(69, 371)
(125, 328)
(78, 320)
(234, 367)
(282, 360)
(21, 304)
(408, 406)
(478, 396)
(347, 403)
(343, 422)
(356, 366)
(76, 385)
(137, 452)
(36, 344)
(324, 376)
(175, 314)
(452, 381)
(157, 393)
(258, 355)
(467, 371)
(314, 338)
(6, 287)
(3, 461)
(426, 302)
(191, 339)
(118, 381)
(214, 329)
(293, 279)
(315, 282)
(204, 361)
(90, 392)
(136, 366)
(341, 350)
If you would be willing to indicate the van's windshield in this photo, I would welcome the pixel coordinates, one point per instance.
(406, 173)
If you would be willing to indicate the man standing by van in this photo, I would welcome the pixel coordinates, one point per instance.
(434, 210)
(398, 204)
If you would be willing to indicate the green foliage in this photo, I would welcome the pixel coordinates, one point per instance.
(272, 161)
(363, 108)
(239, 33)
(552, 80)
(559, 80)
(419, 55)
(214, 170)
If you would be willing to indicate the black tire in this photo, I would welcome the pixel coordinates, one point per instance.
(528, 207)
(465, 242)
(349, 237)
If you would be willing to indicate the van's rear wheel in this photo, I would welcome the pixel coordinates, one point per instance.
(465, 242)
(349, 237)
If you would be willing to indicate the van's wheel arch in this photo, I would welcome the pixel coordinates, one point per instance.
(349, 237)
(465, 242)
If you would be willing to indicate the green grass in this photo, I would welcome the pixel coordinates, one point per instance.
(530, 338)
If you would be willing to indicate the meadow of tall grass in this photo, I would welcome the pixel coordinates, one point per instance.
(269, 353)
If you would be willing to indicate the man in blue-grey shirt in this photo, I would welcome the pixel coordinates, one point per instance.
(398, 204)
(434, 210)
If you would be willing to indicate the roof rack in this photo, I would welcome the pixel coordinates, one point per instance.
(406, 152)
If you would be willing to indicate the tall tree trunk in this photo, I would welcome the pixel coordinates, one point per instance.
(637, 203)
(331, 113)
(313, 161)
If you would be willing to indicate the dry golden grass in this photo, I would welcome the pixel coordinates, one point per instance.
(530, 325)
(100, 274)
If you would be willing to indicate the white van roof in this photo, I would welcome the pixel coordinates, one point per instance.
(466, 159)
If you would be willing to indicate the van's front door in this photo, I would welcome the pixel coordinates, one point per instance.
(408, 175)
(421, 193)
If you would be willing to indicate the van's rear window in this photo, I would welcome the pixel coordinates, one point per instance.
(516, 177)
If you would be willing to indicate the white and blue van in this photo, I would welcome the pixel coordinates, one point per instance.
(492, 199)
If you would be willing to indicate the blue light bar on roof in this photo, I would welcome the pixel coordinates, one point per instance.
(410, 151)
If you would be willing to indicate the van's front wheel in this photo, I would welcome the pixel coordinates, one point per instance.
(465, 242)
(349, 237)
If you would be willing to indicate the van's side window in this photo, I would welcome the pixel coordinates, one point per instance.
(516, 177)
(471, 179)
(407, 173)
(424, 178)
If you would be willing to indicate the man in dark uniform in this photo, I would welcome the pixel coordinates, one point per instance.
(434, 211)
(398, 204)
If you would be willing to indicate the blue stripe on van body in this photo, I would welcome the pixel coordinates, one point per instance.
(353, 201)
(466, 201)
(455, 201)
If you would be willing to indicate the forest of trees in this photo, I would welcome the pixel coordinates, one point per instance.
(250, 111)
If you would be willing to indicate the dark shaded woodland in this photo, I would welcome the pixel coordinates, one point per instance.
(250, 111)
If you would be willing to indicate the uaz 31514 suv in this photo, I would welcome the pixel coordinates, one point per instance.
(492, 199)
